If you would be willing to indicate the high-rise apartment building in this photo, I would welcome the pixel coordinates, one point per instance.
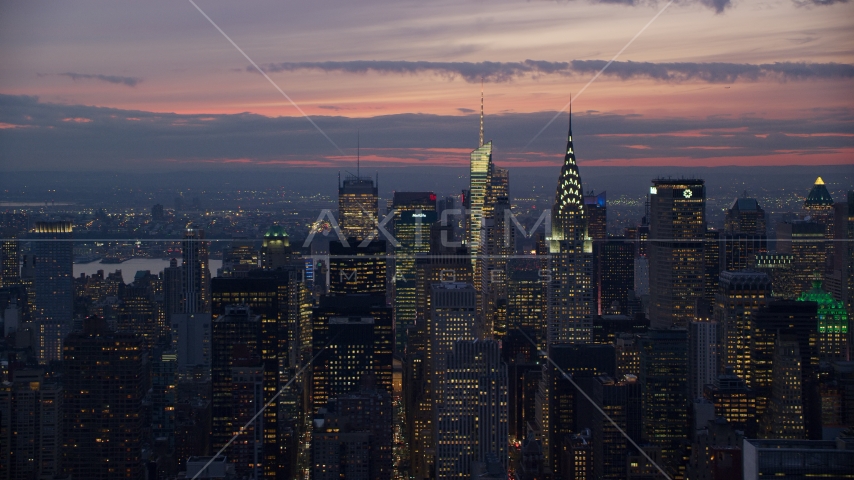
(676, 250)
(102, 379)
(53, 256)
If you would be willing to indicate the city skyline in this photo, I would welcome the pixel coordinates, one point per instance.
(199, 282)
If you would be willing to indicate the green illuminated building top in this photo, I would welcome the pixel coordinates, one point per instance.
(832, 316)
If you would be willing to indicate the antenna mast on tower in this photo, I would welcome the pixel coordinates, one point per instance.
(481, 112)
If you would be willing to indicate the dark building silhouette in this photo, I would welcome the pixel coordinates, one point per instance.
(103, 375)
(53, 258)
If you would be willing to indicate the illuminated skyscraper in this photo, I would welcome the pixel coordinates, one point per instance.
(498, 244)
(744, 234)
(275, 248)
(785, 416)
(526, 300)
(734, 401)
(53, 253)
(103, 378)
(241, 384)
(272, 296)
(796, 320)
(442, 265)
(740, 294)
(196, 274)
(780, 269)
(596, 210)
(472, 420)
(676, 253)
(833, 326)
(480, 179)
(453, 314)
(745, 216)
(712, 260)
(356, 269)
(804, 240)
(10, 258)
(415, 212)
(358, 207)
(237, 331)
(819, 207)
(247, 397)
(570, 296)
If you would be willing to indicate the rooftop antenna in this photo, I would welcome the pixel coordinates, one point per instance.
(570, 113)
(357, 154)
(481, 111)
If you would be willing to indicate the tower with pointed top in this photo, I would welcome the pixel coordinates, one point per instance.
(570, 295)
(480, 179)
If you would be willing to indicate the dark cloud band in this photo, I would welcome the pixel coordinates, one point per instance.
(114, 79)
(627, 70)
(44, 136)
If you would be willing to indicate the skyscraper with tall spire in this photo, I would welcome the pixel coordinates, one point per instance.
(480, 177)
(570, 296)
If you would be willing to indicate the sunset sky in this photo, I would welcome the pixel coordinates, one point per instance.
(145, 85)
